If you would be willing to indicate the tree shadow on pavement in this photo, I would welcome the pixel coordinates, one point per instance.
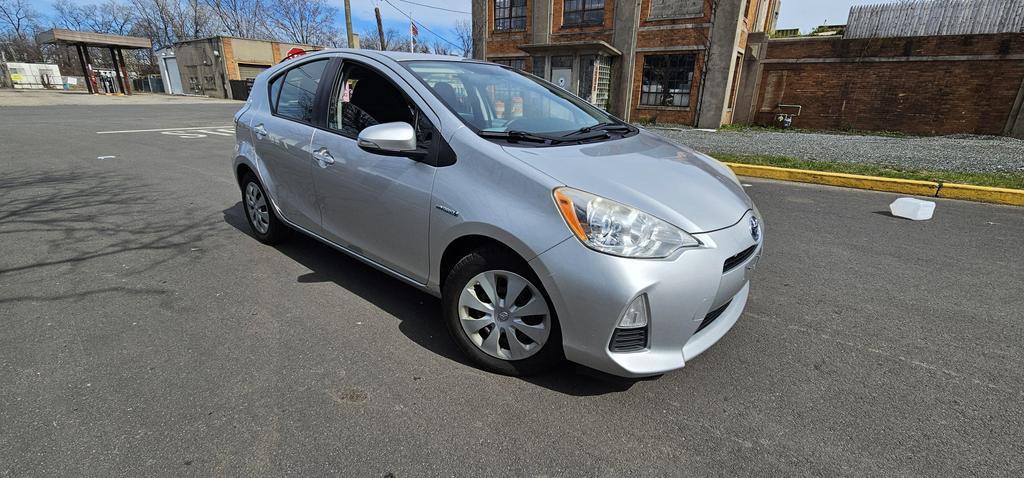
(419, 313)
(57, 222)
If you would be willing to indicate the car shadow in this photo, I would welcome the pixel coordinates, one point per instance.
(418, 313)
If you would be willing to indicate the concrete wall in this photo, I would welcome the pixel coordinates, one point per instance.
(202, 71)
(481, 18)
(918, 85)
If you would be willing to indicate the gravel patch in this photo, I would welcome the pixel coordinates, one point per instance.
(967, 153)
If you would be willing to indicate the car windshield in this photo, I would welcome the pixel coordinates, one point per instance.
(494, 99)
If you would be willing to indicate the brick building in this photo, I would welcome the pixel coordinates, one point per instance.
(642, 60)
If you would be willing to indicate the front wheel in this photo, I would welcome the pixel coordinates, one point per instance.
(499, 316)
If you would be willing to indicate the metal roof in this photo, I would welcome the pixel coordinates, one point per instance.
(61, 36)
(399, 55)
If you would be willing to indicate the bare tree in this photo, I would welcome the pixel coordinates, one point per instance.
(169, 21)
(441, 48)
(18, 18)
(464, 37)
(70, 15)
(242, 18)
(392, 40)
(112, 16)
(309, 22)
(18, 25)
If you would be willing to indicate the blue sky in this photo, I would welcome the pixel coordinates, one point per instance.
(807, 14)
(803, 14)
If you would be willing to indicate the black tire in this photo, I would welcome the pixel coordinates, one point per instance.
(495, 258)
(276, 231)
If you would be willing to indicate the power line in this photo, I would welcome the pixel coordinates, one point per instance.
(436, 8)
(432, 32)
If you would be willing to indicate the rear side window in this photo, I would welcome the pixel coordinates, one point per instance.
(294, 93)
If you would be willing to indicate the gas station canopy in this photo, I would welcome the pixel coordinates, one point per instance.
(98, 40)
(83, 41)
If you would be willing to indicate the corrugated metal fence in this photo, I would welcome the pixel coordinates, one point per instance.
(935, 17)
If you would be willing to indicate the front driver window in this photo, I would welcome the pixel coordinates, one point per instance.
(364, 98)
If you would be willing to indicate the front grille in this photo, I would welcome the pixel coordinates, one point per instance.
(708, 319)
(738, 259)
(628, 340)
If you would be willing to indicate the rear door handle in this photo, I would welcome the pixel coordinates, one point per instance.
(324, 157)
(260, 131)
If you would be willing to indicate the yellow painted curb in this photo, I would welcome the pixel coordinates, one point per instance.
(1013, 197)
(874, 183)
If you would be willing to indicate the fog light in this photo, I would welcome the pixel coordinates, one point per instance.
(636, 314)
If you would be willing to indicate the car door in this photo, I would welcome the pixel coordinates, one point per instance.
(281, 137)
(377, 206)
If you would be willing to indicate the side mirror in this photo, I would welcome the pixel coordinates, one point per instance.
(391, 139)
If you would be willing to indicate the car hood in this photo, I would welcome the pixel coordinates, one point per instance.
(688, 189)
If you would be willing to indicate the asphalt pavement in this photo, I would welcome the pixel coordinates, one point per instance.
(144, 332)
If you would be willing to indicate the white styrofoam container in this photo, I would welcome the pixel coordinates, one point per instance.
(913, 209)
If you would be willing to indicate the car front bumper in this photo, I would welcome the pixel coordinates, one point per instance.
(590, 291)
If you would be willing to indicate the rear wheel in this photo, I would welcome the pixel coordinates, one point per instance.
(263, 223)
(498, 314)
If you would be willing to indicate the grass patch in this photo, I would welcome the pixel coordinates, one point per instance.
(1001, 180)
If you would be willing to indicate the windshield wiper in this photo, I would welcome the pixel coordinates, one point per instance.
(515, 135)
(605, 126)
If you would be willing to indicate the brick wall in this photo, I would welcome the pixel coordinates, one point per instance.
(505, 44)
(681, 35)
(665, 114)
(918, 85)
(228, 57)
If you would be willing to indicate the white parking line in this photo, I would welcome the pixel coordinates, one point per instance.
(200, 133)
(160, 129)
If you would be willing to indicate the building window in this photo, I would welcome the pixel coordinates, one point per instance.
(517, 63)
(583, 12)
(586, 88)
(538, 66)
(667, 80)
(509, 15)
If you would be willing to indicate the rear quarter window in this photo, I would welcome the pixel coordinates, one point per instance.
(294, 93)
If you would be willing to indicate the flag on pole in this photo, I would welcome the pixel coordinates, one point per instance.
(413, 32)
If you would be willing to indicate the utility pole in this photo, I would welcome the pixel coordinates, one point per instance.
(348, 24)
(380, 29)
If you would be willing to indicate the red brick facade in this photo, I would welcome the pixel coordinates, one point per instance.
(505, 43)
(683, 33)
(919, 85)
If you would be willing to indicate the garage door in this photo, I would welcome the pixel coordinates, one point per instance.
(250, 71)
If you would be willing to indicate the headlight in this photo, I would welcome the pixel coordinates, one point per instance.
(613, 228)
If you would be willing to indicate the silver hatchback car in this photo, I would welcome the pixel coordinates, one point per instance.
(549, 229)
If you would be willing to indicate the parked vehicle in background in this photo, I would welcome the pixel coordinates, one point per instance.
(548, 228)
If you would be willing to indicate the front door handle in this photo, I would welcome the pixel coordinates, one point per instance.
(324, 157)
(260, 131)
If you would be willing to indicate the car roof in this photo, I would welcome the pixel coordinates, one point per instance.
(398, 55)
